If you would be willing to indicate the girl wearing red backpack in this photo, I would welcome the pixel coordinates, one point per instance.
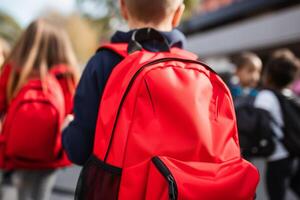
(36, 89)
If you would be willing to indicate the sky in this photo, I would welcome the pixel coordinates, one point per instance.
(24, 11)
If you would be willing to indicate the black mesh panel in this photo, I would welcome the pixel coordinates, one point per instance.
(98, 180)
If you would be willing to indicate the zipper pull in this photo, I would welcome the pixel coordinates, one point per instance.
(172, 190)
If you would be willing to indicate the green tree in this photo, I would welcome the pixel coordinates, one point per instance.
(10, 30)
(83, 36)
(191, 7)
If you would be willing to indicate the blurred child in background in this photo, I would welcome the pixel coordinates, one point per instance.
(286, 53)
(42, 55)
(247, 75)
(278, 74)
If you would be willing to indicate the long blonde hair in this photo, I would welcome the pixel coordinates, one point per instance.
(42, 46)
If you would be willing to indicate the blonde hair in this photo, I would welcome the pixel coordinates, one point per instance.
(42, 46)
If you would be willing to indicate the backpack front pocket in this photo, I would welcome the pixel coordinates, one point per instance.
(173, 179)
(164, 178)
(167, 186)
(33, 134)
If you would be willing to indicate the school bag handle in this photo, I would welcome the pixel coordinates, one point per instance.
(147, 34)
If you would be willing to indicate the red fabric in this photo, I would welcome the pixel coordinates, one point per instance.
(28, 145)
(180, 111)
(120, 48)
(67, 83)
(234, 179)
(5, 72)
(3, 85)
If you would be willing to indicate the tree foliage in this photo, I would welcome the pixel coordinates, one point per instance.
(83, 36)
(191, 7)
(9, 28)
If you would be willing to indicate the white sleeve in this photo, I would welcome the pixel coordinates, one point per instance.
(268, 101)
(265, 100)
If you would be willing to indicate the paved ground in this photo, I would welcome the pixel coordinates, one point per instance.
(261, 194)
(64, 187)
(66, 182)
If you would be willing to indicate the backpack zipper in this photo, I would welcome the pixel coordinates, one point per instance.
(163, 169)
(131, 83)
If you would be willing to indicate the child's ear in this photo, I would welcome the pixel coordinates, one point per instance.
(123, 9)
(177, 16)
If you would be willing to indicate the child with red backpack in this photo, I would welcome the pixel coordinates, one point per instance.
(36, 88)
(152, 122)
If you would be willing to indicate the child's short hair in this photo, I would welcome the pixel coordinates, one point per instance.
(151, 11)
(284, 52)
(281, 70)
(246, 59)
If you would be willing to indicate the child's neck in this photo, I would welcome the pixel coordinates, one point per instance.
(159, 27)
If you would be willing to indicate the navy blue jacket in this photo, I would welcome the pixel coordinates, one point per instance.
(78, 137)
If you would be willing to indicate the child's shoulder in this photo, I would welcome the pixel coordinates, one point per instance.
(266, 98)
(105, 55)
(103, 60)
(266, 94)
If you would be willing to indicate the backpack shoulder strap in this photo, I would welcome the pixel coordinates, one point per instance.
(182, 52)
(118, 48)
(121, 49)
(59, 69)
(55, 95)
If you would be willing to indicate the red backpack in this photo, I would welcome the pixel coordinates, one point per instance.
(31, 132)
(166, 129)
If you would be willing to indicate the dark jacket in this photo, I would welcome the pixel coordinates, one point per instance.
(78, 137)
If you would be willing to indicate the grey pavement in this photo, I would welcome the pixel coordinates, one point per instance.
(261, 192)
(64, 187)
(65, 184)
